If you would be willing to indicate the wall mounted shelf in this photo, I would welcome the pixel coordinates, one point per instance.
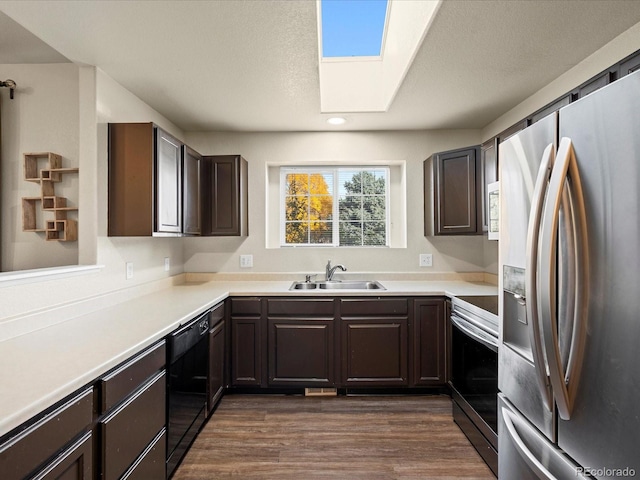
(46, 169)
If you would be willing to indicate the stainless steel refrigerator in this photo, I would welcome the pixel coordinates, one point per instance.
(569, 356)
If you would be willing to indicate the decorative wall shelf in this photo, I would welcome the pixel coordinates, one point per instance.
(60, 228)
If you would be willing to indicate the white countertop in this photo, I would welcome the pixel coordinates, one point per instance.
(42, 367)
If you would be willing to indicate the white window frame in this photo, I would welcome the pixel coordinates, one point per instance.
(334, 171)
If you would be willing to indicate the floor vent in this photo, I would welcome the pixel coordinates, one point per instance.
(320, 392)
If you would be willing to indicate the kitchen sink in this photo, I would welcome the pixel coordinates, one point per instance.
(338, 285)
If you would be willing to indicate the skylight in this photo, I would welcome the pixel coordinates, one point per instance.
(353, 28)
(367, 79)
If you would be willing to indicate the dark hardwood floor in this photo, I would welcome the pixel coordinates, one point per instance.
(355, 437)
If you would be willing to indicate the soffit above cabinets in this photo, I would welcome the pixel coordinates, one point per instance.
(253, 66)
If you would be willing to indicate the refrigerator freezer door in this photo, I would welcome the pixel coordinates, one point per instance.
(520, 158)
(527, 455)
(604, 429)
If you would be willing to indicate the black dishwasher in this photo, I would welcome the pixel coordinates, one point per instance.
(187, 387)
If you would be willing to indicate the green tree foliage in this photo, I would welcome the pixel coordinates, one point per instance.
(363, 210)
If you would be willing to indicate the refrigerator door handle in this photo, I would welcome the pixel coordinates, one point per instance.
(531, 276)
(565, 175)
(534, 464)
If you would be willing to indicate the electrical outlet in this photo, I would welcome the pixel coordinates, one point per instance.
(129, 270)
(167, 264)
(246, 261)
(426, 260)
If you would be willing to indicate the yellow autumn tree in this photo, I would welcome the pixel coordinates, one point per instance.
(308, 209)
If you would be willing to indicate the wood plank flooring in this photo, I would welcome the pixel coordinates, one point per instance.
(354, 437)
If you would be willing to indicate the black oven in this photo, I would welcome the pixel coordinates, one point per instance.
(474, 372)
(187, 387)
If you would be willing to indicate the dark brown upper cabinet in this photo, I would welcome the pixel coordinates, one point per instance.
(457, 192)
(191, 191)
(225, 195)
(145, 181)
(489, 161)
(601, 80)
(629, 64)
(489, 174)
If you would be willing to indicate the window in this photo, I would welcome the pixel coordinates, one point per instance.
(334, 206)
(352, 27)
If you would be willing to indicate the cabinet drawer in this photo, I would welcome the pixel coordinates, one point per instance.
(216, 315)
(361, 307)
(301, 306)
(128, 430)
(245, 306)
(21, 454)
(120, 383)
(152, 462)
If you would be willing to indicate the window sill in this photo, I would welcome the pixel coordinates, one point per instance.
(10, 279)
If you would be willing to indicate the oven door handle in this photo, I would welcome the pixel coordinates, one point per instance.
(474, 332)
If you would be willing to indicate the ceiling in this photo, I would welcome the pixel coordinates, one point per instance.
(248, 65)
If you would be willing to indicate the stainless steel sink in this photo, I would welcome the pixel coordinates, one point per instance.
(338, 285)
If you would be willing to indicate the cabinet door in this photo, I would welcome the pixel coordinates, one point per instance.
(301, 351)
(191, 192)
(216, 365)
(374, 351)
(131, 179)
(456, 192)
(246, 351)
(226, 202)
(168, 193)
(429, 341)
(489, 172)
(550, 108)
(629, 65)
(593, 84)
(74, 463)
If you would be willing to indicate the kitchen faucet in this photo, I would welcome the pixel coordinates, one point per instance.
(331, 270)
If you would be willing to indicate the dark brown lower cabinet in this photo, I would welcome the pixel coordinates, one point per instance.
(133, 417)
(127, 431)
(216, 363)
(301, 351)
(52, 441)
(429, 343)
(374, 352)
(151, 464)
(383, 342)
(74, 463)
(247, 355)
(246, 351)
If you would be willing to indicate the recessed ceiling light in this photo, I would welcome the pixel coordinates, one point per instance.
(336, 120)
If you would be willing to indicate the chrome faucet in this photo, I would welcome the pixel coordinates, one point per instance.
(331, 270)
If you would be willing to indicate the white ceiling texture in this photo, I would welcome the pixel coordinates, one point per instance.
(252, 65)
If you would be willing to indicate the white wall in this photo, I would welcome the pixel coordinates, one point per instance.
(98, 100)
(42, 117)
(457, 254)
